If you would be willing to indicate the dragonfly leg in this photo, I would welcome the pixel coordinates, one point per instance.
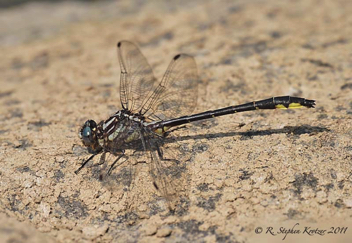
(84, 163)
(161, 155)
(114, 163)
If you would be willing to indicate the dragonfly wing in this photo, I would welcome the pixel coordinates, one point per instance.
(176, 94)
(137, 80)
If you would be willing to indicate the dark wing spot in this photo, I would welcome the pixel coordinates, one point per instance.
(177, 57)
(119, 44)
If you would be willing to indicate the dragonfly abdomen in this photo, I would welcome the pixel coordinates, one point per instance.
(282, 102)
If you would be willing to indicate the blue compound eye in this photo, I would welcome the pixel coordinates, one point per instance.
(86, 134)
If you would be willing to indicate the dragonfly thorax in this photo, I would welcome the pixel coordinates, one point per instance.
(112, 133)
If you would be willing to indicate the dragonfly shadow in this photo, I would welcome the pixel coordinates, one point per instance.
(290, 130)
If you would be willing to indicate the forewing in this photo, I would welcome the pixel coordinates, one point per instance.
(137, 80)
(176, 94)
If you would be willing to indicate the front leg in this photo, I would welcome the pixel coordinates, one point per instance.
(84, 163)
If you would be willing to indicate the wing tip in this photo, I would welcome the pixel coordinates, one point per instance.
(119, 44)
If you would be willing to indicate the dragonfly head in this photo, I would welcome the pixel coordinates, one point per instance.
(88, 135)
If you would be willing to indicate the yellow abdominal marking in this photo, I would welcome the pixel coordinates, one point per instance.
(290, 106)
(295, 105)
(280, 107)
(161, 130)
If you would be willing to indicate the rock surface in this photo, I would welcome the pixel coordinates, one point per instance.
(244, 171)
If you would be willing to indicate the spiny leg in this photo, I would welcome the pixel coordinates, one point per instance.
(114, 163)
(84, 163)
(161, 155)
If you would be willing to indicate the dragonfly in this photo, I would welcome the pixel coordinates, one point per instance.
(152, 109)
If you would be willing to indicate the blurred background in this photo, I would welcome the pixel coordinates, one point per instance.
(59, 68)
(12, 3)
